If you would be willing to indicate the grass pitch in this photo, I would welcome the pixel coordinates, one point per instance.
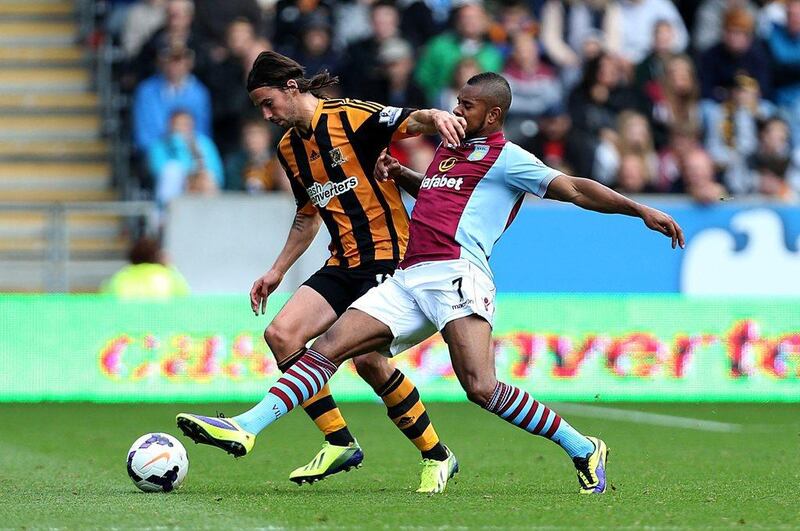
(63, 466)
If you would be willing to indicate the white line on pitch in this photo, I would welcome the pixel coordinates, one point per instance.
(643, 417)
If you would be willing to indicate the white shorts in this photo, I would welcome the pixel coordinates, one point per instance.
(417, 302)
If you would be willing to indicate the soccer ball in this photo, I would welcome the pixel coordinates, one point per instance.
(157, 462)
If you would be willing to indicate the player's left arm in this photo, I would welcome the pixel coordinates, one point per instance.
(592, 195)
(389, 168)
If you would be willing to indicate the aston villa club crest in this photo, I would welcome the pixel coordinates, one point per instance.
(337, 159)
(478, 152)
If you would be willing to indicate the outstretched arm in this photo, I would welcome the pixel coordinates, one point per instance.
(304, 229)
(431, 121)
(388, 168)
(592, 195)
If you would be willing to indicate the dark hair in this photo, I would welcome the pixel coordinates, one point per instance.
(180, 111)
(496, 90)
(764, 123)
(145, 250)
(382, 3)
(271, 69)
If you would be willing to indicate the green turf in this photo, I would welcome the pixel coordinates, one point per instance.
(63, 465)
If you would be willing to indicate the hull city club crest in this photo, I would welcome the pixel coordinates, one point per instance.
(337, 159)
(478, 153)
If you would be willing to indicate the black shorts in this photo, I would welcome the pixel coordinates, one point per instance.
(341, 286)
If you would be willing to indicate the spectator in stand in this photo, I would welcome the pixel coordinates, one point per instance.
(142, 20)
(213, 17)
(708, 22)
(559, 145)
(601, 96)
(684, 138)
(732, 131)
(650, 71)
(255, 167)
(315, 50)
(534, 86)
(225, 80)
(396, 86)
(419, 23)
(147, 276)
(177, 32)
(635, 175)
(442, 54)
(184, 161)
(698, 178)
(632, 136)
(159, 96)
(738, 53)
(784, 46)
(361, 66)
(566, 26)
(513, 18)
(465, 69)
(675, 98)
(639, 19)
(775, 167)
(291, 17)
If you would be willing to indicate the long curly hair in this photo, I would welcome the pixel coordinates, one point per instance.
(271, 69)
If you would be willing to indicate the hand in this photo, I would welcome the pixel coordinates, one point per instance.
(262, 288)
(663, 223)
(450, 127)
(387, 167)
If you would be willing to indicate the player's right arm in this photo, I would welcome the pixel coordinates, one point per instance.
(592, 195)
(389, 168)
(304, 229)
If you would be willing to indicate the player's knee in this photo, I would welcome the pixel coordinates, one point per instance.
(480, 390)
(281, 340)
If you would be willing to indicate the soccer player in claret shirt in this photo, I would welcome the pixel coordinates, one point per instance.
(466, 200)
(329, 153)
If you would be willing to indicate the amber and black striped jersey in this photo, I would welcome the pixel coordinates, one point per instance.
(331, 172)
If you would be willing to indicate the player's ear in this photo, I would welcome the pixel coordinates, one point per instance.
(495, 113)
(292, 84)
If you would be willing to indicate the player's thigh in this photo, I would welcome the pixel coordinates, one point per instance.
(452, 289)
(393, 304)
(304, 316)
(353, 334)
(469, 342)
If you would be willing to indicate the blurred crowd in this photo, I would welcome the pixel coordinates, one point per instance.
(646, 96)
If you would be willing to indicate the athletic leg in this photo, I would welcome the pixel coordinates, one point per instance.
(403, 403)
(469, 341)
(306, 315)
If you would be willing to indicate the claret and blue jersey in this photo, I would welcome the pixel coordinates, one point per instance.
(469, 196)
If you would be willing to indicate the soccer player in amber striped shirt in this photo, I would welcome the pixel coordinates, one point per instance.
(329, 153)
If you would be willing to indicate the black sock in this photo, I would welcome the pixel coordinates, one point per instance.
(340, 437)
(437, 453)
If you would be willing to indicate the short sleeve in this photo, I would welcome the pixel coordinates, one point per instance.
(301, 198)
(378, 123)
(526, 173)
